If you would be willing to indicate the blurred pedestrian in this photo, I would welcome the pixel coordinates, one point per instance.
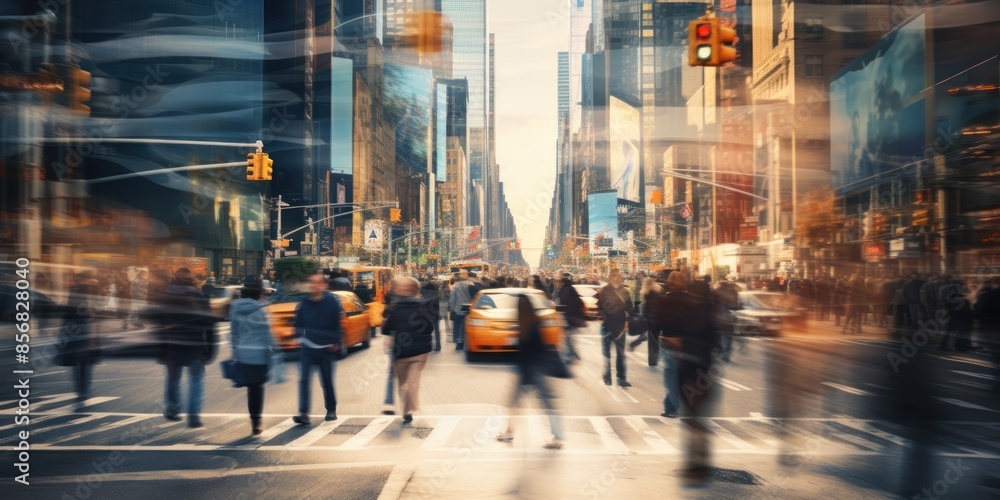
(671, 315)
(82, 349)
(429, 294)
(187, 336)
(530, 361)
(208, 286)
(124, 295)
(410, 331)
(727, 298)
(461, 294)
(567, 296)
(649, 298)
(253, 345)
(138, 292)
(615, 307)
(318, 327)
(537, 284)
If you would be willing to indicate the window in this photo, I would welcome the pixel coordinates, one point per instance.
(814, 65)
(812, 29)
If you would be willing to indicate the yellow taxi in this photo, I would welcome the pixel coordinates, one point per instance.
(357, 329)
(377, 279)
(491, 325)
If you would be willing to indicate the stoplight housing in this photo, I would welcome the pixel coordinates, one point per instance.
(265, 163)
(79, 90)
(252, 173)
(395, 215)
(710, 43)
(429, 32)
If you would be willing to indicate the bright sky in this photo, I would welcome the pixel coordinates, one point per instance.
(529, 34)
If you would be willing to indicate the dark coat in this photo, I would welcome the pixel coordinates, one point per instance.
(690, 319)
(410, 323)
(429, 293)
(615, 307)
(78, 331)
(529, 356)
(569, 297)
(187, 327)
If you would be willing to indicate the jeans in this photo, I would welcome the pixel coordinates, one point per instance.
(606, 341)
(571, 353)
(83, 371)
(437, 334)
(255, 391)
(672, 401)
(196, 386)
(390, 382)
(324, 362)
(460, 329)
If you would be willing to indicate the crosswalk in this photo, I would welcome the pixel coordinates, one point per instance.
(448, 434)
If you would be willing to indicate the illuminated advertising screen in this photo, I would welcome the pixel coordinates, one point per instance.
(440, 135)
(409, 99)
(626, 150)
(877, 109)
(602, 219)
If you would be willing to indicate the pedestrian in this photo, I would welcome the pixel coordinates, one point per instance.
(728, 299)
(318, 327)
(575, 317)
(81, 349)
(987, 311)
(208, 286)
(410, 331)
(649, 297)
(536, 283)
(429, 294)
(671, 314)
(389, 405)
(138, 292)
(253, 345)
(187, 337)
(461, 294)
(694, 337)
(615, 307)
(530, 361)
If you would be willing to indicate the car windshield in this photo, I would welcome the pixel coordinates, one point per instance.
(586, 291)
(508, 301)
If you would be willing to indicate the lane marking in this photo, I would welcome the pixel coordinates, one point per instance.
(86, 403)
(654, 440)
(398, 479)
(442, 431)
(868, 428)
(370, 431)
(45, 400)
(969, 361)
(977, 375)
(756, 414)
(102, 428)
(849, 390)
(611, 441)
(738, 385)
(965, 404)
(321, 431)
(726, 435)
(268, 434)
(857, 441)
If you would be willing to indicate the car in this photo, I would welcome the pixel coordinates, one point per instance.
(588, 294)
(768, 313)
(357, 329)
(491, 325)
(220, 299)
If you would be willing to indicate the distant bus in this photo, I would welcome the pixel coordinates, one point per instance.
(473, 267)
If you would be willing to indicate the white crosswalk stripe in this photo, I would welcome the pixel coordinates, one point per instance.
(588, 434)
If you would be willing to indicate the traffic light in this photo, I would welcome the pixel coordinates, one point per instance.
(79, 90)
(657, 197)
(429, 32)
(252, 173)
(710, 43)
(922, 217)
(395, 215)
(265, 164)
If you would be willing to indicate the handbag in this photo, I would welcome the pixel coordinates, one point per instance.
(552, 365)
(234, 372)
(637, 326)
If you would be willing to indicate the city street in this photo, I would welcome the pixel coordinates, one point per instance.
(618, 446)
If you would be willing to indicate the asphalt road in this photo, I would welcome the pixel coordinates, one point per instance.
(838, 396)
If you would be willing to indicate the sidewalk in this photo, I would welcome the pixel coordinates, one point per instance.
(562, 475)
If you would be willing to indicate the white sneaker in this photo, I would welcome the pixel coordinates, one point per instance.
(505, 436)
(554, 444)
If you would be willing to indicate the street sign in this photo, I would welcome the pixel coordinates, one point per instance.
(373, 235)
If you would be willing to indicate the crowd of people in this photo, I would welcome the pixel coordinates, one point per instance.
(686, 324)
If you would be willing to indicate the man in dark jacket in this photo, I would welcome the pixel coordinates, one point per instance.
(187, 339)
(575, 317)
(432, 305)
(410, 325)
(318, 327)
(614, 303)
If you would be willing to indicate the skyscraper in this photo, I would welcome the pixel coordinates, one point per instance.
(564, 99)
(469, 45)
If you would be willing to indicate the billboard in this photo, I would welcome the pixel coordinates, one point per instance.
(624, 173)
(602, 220)
(877, 109)
(374, 235)
(342, 116)
(409, 100)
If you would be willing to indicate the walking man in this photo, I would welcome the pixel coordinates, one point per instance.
(318, 328)
(461, 293)
(614, 303)
(575, 318)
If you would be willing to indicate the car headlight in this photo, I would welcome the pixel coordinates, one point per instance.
(478, 322)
